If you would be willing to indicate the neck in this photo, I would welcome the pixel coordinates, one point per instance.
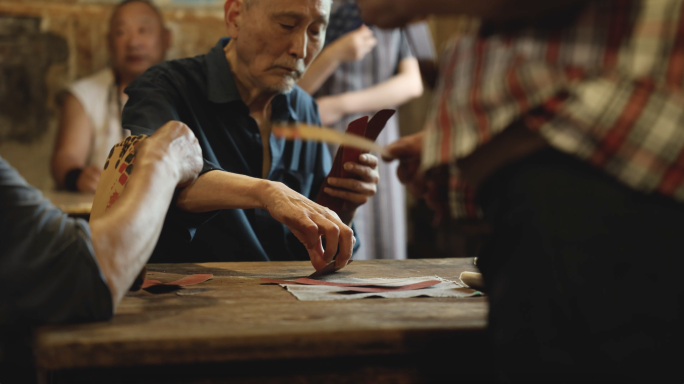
(257, 99)
(122, 80)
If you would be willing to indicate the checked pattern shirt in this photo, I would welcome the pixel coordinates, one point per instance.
(607, 88)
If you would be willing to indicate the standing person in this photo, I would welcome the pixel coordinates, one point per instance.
(361, 71)
(561, 123)
(90, 121)
(255, 199)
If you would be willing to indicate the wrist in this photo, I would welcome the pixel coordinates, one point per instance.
(263, 190)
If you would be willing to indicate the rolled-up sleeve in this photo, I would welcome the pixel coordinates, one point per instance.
(48, 270)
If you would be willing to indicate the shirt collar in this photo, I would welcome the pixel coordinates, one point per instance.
(222, 88)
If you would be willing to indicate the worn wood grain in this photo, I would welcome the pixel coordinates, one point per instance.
(235, 318)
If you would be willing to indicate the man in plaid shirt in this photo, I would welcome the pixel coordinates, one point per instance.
(564, 121)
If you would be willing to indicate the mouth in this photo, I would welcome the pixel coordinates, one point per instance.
(135, 59)
(294, 72)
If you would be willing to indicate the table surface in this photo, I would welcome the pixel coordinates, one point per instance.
(235, 317)
(71, 202)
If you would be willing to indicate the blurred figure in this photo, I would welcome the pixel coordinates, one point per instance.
(560, 123)
(90, 123)
(361, 71)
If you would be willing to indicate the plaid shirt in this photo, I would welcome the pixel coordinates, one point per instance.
(607, 89)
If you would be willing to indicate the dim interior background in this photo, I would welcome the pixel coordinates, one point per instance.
(46, 45)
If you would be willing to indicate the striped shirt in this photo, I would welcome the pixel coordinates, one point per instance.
(607, 88)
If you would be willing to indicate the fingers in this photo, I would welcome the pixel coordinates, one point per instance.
(406, 147)
(369, 160)
(307, 233)
(346, 245)
(353, 185)
(87, 181)
(366, 173)
(353, 197)
(331, 232)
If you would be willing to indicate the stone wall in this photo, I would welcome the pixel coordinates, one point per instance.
(47, 44)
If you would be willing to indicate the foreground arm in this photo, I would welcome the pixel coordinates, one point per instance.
(125, 236)
(404, 86)
(398, 13)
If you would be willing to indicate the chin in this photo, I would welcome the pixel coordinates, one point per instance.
(284, 86)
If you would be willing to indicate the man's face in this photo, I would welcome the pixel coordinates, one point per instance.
(278, 39)
(138, 39)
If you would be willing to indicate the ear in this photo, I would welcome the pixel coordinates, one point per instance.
(233, 14)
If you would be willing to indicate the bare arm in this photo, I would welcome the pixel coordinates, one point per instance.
(73, 144)
(353, 46)
(124, 236)
(404, 86)
(307, 220)
(397, 13)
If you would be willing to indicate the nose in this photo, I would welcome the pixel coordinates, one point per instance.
(135, 40)
(299, 44)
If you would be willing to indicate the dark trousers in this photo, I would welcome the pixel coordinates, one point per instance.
(585, 275)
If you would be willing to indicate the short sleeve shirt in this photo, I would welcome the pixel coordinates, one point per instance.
(201, 92)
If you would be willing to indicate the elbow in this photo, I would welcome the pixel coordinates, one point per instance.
(417, 89)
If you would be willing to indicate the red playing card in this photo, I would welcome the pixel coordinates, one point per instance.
(410, 287)
(362, 127)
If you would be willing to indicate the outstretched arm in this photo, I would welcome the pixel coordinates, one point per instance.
(398, 13)
(353, 46)
(125, 235)
(404, 86)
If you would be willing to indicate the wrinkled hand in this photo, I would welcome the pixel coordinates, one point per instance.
(356, 192)
(175, 145)
(389, 13)
(354, 45)
(87, 181)
(311, 222)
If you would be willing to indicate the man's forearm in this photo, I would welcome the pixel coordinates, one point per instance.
(222, 190)
(125, 237)
(403, 87)
(494, 10)
(319, 71)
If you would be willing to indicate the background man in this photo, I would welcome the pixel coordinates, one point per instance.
(261, 186)
(90, 123)
(360, 72)
(563, 121)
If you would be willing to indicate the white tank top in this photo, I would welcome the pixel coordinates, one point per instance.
(98, 96)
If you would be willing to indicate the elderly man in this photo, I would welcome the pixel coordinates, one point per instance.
(562, 120)
(253, 200)
(90, 121)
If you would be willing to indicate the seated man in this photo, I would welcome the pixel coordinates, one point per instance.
(55, 269)
(90, 121)
(562, 121)
(260, 185)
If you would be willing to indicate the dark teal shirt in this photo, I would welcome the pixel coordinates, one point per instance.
(201, 92)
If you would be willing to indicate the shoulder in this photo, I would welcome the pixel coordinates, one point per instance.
(304, 106)
(102, 79)
(179, 75)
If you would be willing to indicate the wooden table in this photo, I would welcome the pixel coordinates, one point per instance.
(74, 204)
(235, 329)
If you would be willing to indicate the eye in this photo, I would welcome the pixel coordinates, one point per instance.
(287, 27)
(316, 32)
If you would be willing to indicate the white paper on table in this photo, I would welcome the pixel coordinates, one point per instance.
(446, 288)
